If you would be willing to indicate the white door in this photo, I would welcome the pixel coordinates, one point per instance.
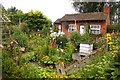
(59, 28)
(82, 29)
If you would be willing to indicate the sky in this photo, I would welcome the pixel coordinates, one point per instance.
(53, 9)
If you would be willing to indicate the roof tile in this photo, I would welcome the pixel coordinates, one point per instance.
(85, 16)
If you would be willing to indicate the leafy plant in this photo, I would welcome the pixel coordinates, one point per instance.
(19, 36)
(75, 38)
(61, 41)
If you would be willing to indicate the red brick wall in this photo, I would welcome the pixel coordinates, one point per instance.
(65, 30)
(102, 31)
(103, 26)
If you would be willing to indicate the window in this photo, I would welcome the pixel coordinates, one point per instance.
(95, 29)
(59, 28)
(71, 27)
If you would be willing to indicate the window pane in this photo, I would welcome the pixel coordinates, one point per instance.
(95, 31)
(72, 27)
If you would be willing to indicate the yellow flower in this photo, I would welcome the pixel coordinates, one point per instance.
(39, 35)
(56, 76)
(45, 57)
(110, 43)
(108, 35)
(108, 39)
(66, 76)
(61, 76)
(30, 35)
(62, 64)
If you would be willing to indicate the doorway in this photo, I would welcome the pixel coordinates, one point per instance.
(82, 29)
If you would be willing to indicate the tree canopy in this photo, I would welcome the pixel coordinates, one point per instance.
(36, 20)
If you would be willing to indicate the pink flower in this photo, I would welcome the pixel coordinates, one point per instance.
(1, 46)
(22, 48)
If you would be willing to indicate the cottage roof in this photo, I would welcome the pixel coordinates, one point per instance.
(58, 20)
(85, 16)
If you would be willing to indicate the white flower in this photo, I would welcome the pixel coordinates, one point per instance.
(61, 50)
(55, 34)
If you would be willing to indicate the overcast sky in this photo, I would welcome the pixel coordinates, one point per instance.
(53, 9)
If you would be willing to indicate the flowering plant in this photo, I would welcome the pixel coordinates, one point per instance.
(55, 34)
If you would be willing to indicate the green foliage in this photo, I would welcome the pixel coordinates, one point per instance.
(116, 28)
(95, 69)
(27, 70)
(114, 67)
(68, 50)
(43, 53)
(18, 35)
(24, 28)
(2, 10)
(98, 43)
(45, 31)
(14, 15)
(88, 7)
(54, 29)
(76, 38)
(61, 41)
(104, 66)
(24, 59)
(36, 20)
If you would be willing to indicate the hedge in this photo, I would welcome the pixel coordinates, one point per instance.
(113, 27)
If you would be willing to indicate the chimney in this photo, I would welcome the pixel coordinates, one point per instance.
(106, 9)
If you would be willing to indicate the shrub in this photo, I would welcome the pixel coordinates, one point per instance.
(68, 52)
(24, 28)
(54, 29)
(19, 36)
(98, 42)
(61, 41)
(76, 38)
(116, 28)
(45, 32)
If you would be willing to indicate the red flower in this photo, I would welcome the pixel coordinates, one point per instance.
(115, 36)
(52, 43)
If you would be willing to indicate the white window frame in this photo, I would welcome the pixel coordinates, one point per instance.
(95, 29)
(71, 28)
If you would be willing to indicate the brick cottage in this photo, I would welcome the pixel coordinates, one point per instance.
(97, 22)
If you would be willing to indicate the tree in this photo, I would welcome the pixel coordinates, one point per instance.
(15, 15)
(118, 11)
(11, 13)
(36, 20)
(88, 6)
(84, 7)
(2, 10)
(20, 15)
